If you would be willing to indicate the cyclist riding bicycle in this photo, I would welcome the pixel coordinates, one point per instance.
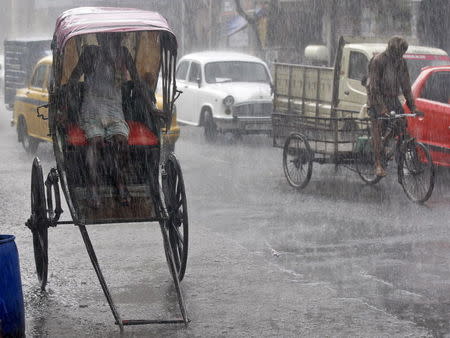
(388, 73)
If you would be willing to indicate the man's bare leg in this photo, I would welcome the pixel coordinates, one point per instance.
(120, 158)
(94, 146)
(376, 138)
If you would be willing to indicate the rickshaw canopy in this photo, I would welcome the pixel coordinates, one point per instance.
(86, 20)
(146, 35)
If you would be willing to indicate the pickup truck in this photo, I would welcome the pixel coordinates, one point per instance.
(315, 90)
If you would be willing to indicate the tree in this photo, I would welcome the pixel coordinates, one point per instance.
(189, 18)
(254, 20)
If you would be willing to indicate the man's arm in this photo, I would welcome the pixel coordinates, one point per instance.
(129, 63)
(144, 89)
(405, 84)
(78, 70)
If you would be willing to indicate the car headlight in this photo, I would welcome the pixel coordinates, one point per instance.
(228, 101)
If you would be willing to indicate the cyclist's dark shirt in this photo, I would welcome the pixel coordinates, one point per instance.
(388, 74)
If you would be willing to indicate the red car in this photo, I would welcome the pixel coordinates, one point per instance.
(431, 92)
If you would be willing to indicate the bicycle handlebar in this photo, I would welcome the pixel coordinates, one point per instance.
(394, 115)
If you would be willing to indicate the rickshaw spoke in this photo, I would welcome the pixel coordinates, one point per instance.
(179, 236)
(179, 204)
(178, 194)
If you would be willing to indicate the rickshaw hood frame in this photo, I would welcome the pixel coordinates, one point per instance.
(87, 20)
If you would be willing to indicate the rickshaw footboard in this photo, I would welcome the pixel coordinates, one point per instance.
(130, 322)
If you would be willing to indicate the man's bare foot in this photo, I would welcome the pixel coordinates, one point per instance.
(380, 172)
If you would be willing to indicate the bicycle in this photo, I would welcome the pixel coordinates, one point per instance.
(415, 169)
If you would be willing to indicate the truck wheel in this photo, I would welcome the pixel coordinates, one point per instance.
(210, 127)
(30, 144)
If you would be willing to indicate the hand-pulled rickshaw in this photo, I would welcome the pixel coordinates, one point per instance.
(156, 186)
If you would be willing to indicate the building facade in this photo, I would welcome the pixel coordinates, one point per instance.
(279, 29)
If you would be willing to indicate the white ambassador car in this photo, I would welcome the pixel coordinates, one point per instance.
(224, 92)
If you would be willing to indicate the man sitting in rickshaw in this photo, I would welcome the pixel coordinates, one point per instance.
(105, 67)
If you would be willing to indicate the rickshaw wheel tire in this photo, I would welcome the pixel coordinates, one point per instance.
(210, 128)
(177, 224)
(39, 223)
(408, 162)
(303, 156)
(29, 143)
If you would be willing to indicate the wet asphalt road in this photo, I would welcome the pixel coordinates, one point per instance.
(337, 259)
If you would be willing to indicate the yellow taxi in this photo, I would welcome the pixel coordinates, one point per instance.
(32, 129)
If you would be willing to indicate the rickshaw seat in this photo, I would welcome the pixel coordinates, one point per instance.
(140, 135)
(76, 136)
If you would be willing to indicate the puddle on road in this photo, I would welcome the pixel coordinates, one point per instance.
(385, 276)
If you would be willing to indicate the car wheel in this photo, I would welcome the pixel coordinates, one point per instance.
(29, 143)
(210, 127)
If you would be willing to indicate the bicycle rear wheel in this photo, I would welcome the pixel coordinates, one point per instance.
(297, 161)
(416, 171)
(365, 167)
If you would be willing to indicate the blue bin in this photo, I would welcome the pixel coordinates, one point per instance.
(12, 313)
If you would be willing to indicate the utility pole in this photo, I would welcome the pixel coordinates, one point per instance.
(182, 26)
(210, 24)
(415, 5)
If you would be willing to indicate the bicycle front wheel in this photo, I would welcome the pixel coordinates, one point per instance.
(416, 171)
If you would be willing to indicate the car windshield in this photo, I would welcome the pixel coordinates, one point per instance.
(235, 71)
(415, 65)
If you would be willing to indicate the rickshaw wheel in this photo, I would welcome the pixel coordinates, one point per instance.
(297, 160)
(39, 224)
(177, 224)
(416, 171)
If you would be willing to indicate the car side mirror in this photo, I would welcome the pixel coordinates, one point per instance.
(199, 82)
(272, 88)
